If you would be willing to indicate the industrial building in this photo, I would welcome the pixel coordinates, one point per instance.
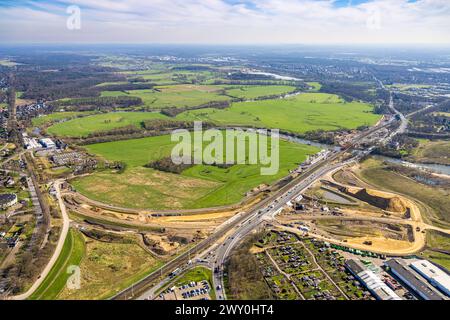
(412, 280)
(7, 200)
(31, 143)
(371, 281)
(433, 274)
(47, 143)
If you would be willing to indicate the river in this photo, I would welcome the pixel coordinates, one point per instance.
(273, 75)
(436, 168)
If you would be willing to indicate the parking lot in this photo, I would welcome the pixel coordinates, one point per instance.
(191, 291)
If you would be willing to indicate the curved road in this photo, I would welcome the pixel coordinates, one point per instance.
(58, 249)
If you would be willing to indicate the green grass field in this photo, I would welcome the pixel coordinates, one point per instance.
(39, 121)
(71, 254)
(166, 77)
(299, 114)
(81, 127)
(173, 96)
(316, 86)
(197, 187)
(252, 92)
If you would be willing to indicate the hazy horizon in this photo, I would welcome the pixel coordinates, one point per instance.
(227, 22)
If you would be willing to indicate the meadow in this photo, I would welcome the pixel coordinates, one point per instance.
(167, 77)
(188, 95)
(299, 114)
(105, 268)
(173, 96)
(57, 116)
(81, 127)
(109, 267)
(196, 187)
(252, 92)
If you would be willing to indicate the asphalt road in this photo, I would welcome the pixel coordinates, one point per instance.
(258, 218)
(242, 226)
(58, 249)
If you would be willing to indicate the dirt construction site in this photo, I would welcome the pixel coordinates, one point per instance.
(164, 233)
(340, 209)
(344, 210)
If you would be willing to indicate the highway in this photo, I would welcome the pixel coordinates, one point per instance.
(144, 285)
(257, 219)
(243, 225)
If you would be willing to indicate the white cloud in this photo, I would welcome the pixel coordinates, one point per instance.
(218, 21)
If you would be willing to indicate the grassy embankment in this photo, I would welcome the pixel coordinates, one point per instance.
(71, 255)
(433, 201)
(432, 152)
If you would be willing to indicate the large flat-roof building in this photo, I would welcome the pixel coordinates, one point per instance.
(47, 143)
(413, 280)
(371, 281)
(433, 274)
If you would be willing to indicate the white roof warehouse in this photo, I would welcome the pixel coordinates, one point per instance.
(433, 274)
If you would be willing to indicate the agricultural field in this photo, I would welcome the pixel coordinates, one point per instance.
(431, 152)
(196, 187)
(299, 114)
(81, 127)
(252, 92)
(178, 96)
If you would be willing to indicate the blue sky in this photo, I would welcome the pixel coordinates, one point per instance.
(228, 21)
